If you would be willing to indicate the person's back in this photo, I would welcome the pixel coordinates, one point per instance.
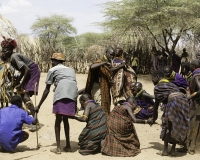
(18, 60)
(11, 121)
(64, 79)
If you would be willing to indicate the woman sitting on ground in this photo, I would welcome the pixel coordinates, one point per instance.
(95, 129)
(144, 101)
(121, 139)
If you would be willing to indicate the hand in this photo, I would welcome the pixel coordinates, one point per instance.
(18, 87)
(150, 121)
(36, 109)
(188, 97)
(109, 64)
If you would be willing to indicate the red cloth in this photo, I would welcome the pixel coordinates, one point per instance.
(8, 43)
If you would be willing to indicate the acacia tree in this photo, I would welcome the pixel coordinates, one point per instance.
(89, 39)
(53, 31)
(165, 20)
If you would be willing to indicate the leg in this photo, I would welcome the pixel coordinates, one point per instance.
(66, 127)
(28, 102)
(25, 136)
(165, 150)
(57, 131)
(173, 152)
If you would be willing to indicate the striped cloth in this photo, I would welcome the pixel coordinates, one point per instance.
(176, 110)
(121, 139)
(105, 79)
(94, 132)
(193, 139)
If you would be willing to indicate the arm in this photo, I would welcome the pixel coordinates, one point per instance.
(146, 95)
(135, 120)
(93, 66)
(118, 67)
(155, 111)
(44, 96)
(84, 118)
(196, 94)
(81, 91)
(35, 119)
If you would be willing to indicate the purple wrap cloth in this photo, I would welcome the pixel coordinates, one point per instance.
(147, 108)
(65, 107)
(196, 71)
(180, 81)
(34, 77)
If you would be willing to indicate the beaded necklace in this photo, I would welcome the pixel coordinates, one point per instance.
(139, 93)
(163, 80)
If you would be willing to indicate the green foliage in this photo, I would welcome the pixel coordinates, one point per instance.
(165, 20)
(53, 30)
(89, 39)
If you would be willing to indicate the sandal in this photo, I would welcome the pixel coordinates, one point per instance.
(67, 149)
(54, 150)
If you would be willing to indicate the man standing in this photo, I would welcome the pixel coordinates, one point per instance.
(99, 80)
(123, 76)
(193, 95)
(184, 56)
(135, 63)
(28, 81)
(65, 95)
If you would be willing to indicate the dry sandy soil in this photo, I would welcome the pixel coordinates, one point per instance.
(148, 136)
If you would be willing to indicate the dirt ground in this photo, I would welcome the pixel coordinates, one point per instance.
(148, 135)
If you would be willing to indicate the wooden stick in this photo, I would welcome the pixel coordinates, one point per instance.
(36, 115)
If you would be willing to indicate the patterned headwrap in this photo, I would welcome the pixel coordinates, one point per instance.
(9, 43)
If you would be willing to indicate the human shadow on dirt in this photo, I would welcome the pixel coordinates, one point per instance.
(26, 126)
(74, 145)
(20, 148)
(158, 146)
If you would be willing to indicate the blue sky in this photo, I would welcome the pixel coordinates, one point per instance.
(23, 13)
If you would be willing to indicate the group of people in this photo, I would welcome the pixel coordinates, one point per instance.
(180, 98)
(109, 132)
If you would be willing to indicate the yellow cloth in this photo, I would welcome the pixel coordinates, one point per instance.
(135, 61)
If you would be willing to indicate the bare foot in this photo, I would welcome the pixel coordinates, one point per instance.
(67, 149)
(56, 150)
(192, 152)
(162, 153)
(172, 153)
